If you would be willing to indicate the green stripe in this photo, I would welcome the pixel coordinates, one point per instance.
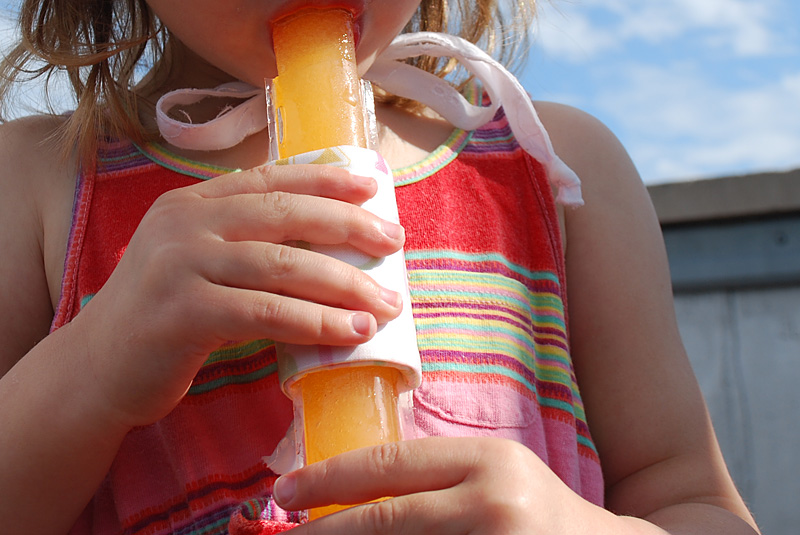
(497, 139)
(477, 368)
(217, 527)
(238, 351)
(418, 170)
(471, 277)
(539, 319)
(433, 254)
(164, 158)
(426, 327)
(525, 298)
(516, 352)
(440, 293)
(251, 377)
(85, 300)
(451, 276)
(116, 159)
(586, 442)
(421, 168)
(436, 338)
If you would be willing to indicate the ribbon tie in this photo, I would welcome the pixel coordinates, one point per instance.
(393, 75)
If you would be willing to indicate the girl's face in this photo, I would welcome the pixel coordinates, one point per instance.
(235, 36)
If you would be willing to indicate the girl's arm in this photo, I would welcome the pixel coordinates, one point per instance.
(56, 442)
(660, 458)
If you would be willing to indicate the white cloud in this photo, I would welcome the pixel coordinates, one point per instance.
(692, 87)
(571, 35)
(676, 122)
(571, 30)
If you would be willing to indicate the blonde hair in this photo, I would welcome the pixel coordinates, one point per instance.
(102, 45)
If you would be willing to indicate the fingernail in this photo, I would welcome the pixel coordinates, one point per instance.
(364, 180)
(390, 298)
(284, 490)
(392, 230)
(362, 323)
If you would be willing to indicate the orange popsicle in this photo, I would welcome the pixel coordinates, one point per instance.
(317, 92)
(345, 409)
(317, 97)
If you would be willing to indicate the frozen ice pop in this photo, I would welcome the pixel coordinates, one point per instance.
(318, 91)
(317, 99)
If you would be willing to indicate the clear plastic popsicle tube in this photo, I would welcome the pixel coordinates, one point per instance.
(317, 102)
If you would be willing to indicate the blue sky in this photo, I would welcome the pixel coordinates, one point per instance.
(693, 88)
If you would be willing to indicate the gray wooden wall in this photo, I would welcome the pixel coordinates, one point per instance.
(745, 349)
(734, 250)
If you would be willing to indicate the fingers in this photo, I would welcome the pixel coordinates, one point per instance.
(235, 242)
(279, 217)
(438, 485)
(439, 513)
(392, 469)
(247, 314)
(317, 180)
(296, 273)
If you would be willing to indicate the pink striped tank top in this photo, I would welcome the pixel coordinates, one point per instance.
(486, 276)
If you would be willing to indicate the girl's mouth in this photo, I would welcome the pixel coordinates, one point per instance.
(354, 7)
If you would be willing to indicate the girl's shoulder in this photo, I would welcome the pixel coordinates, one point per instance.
(30, 149)
(585, 144)
(38, 184)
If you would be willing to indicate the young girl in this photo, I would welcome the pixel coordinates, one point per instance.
(129, 265)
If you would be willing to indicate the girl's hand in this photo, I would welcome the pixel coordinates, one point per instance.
(207, 265)
(443, 486)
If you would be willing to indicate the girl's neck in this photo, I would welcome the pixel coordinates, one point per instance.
(404, 137)
(178, 69)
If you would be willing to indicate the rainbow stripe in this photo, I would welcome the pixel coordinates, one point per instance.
(166, 158)
(436, 160)
(481, 318)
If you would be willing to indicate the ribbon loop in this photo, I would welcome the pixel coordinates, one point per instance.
(389, 72)
(226, 130)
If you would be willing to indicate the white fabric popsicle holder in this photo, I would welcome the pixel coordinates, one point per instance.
(395, 343)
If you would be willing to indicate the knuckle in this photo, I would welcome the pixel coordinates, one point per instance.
(357, 282)
(382, 517)
(289, 323)
(266, 173)
(170, 196)
(281, 261)
(504, 509)
(382, 457)
(167, 258)
(278, 204)
(506, 497)
(339, 176)
(270, 311)
(510, 451)
(516, 452)
(165, 206)
(324, 327)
